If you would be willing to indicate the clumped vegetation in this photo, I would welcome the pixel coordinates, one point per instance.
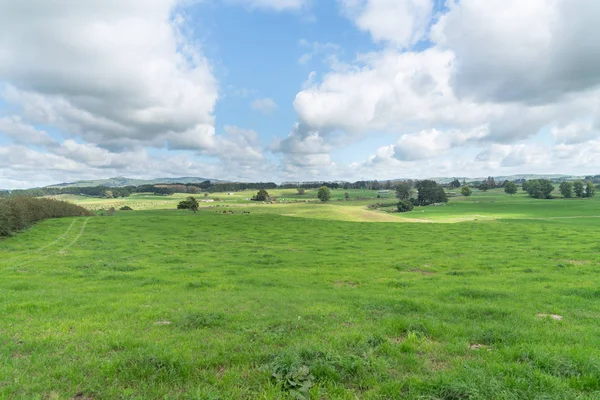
(262, 195)
(466, 191)
(404, 206)
(125, 208)
(430, 192)
(324, 194)
(189, 204)
(539, 188)
(18, 213)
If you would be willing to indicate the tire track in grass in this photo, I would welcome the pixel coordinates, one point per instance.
(81, 231)
(55, 241)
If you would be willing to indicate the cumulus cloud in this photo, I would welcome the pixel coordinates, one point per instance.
(400, 22)
(534, 51)
(266, 106)
(576, 132)
(105, 70)
(23, 133)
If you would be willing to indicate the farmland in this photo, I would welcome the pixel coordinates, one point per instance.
(493, 297)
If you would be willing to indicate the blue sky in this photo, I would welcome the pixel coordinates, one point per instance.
(297, 89)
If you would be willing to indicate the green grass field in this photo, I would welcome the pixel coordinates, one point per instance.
(166, 304)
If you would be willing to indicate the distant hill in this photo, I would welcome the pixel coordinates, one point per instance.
(501, 179)
(121, 181)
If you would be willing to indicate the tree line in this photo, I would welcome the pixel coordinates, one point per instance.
(18, 213)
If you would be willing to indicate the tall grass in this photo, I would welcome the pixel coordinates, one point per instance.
(17, 213)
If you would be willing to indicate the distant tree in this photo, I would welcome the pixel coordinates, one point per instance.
(346, 196)
(189, 204)
(590, 190)
(510, 188)
(525, 185)
(324, 194)
(109, 194)
(205, 194)
(403, 191)
(301, 190)
(484, 186)
(566, 189)
(405, 206)
(466, 191)
(193, 189)
(491, 183)
(430, 192)
(579, 189)
(262, 195)
(540, 188)
(455, 184)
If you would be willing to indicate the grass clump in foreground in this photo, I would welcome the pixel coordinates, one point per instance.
(209, 306)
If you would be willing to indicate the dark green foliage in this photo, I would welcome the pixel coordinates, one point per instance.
(579, 189)
(346, 196)
(484, 187)
(510, 188)
(403, 191)
(466, 191)
(126, 208)
(430, 192)
(455, 184)
(301, 190)
(262, 195)
(324, 194)
(17, 213)
(540, 188)
(405, 206)
(566, 189)
(590, 190)
(189, 204)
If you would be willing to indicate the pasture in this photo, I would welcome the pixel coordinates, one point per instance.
(290, 302)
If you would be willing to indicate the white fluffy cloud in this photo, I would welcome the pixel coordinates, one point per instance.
(112, 72)
(401, 22)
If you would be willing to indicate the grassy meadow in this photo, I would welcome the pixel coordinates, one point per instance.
(492, 297)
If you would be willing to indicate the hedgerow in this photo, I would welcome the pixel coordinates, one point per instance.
(17, 213)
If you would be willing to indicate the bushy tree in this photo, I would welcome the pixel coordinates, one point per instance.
(566, 189)
(455, 184)
(189, 204)
(540, 188)
(262, 195)
(324, 194)
(484, 186)
(405, 206)
(525, 185)
(430, 192)
(346, 196)
(466, 191)
(510, 188)
(301, 190)
(579, 189)
(403, 191)
(590, 190)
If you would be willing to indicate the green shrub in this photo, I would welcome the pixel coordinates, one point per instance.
(405, 206)
(126, 208)
(17, 213)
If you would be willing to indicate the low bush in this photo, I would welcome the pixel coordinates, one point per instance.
(17, 213)
(126, 208)
(405, 206)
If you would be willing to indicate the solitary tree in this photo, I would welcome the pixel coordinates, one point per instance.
(262, 195)
(566, 189)
(455, 183)
(405, 206)
(430, 192)
(484, 186)
(466, 191)
(590, 190)
(510, 188)
(346, 196)
(324, 194)
(403, 191)
(301, 190)
(579, 189)
(189, 204)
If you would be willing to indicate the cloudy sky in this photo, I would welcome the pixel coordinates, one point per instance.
(297, 89)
